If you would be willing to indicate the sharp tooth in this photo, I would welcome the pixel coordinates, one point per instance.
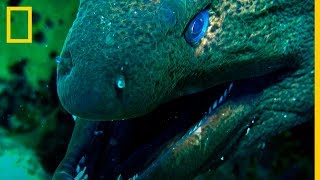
(221, 99)
(214, 105)
(230, 86)
(195, 128)
(119, 177)
(210, 110)
(225, 94)
(78, 169)
(86, 177)
(198, 131)
(201, 122)
(82, 160)
(192, 130)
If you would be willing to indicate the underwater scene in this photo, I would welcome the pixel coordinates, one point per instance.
(156, 89)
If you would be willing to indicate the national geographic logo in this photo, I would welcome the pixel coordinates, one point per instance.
(29, 37)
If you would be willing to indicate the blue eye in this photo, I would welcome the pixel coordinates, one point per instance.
(197, 28)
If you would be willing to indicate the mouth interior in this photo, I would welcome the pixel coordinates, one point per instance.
(130, 146)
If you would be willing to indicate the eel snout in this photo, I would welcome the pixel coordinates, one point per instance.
(116, 65)
(87, 89)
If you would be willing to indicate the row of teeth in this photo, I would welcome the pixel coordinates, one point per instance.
(132, 178)
(221, 99)
(213, 107)
(81, 173)
(198, 126)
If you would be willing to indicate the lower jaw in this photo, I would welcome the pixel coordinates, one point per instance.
(179, 135)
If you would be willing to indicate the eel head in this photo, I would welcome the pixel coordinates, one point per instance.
(124, 59)
(121, 59)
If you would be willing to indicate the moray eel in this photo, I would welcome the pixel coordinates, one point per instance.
(125, 59)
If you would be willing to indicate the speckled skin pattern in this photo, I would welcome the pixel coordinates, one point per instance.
(143, 41)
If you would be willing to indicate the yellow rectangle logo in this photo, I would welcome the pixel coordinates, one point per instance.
(14, 8)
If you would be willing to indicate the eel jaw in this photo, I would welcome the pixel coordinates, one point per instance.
(192, 135)
(201, 145)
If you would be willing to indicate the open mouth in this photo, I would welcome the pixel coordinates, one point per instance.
(129, 148)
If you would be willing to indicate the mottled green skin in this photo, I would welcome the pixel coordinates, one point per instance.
(149, 50)
(148, 45)
(159, 65)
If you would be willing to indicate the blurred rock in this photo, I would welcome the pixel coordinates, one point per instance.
(17, 161)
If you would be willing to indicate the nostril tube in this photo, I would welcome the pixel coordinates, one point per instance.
(64, 63)
(58, 59)
(64, 66)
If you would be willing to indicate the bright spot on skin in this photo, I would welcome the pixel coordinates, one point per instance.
(222, 158)
(248, 130)
(102, 20)
(120, 82)
(74, 117)
(285, 116)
